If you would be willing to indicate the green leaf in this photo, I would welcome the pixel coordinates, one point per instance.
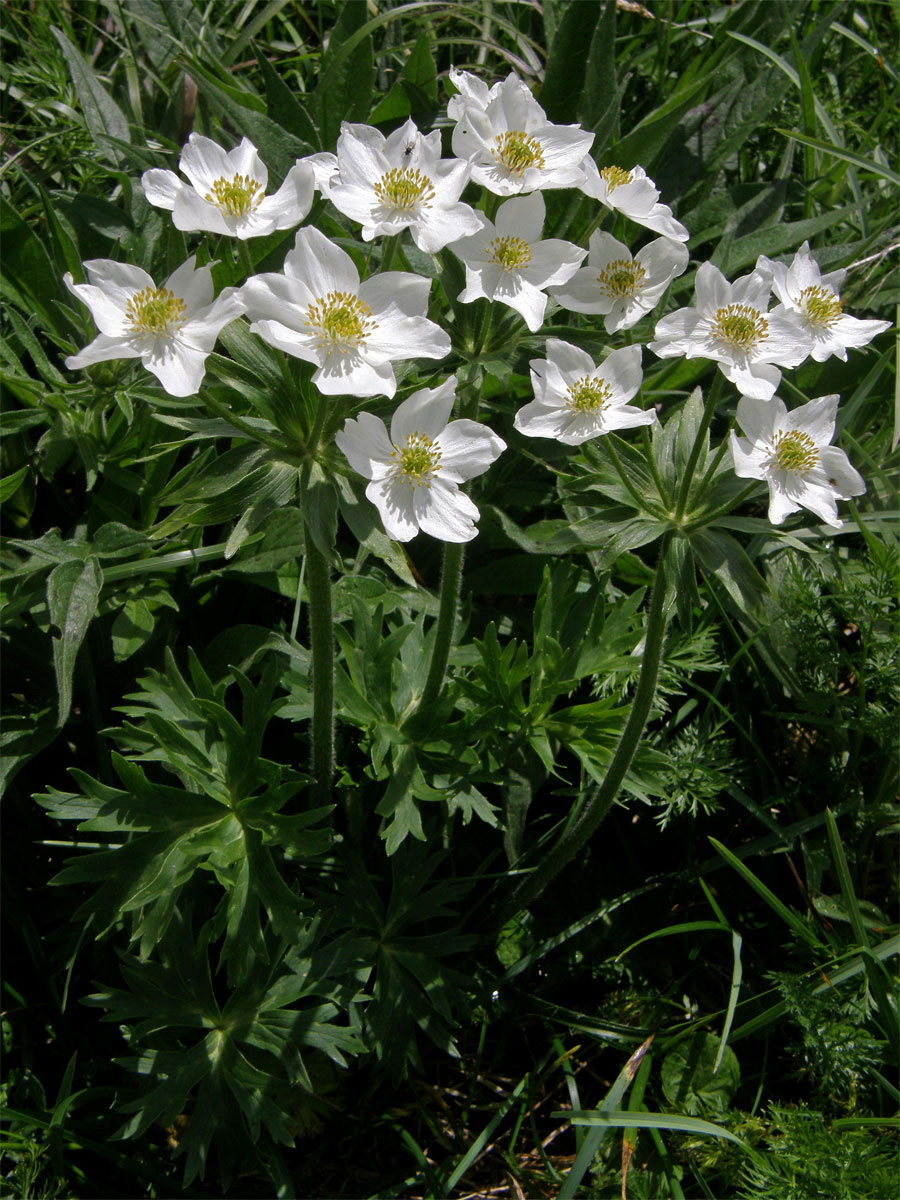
(564, 78)
(344, 91)
(73, 593)
(868, 164)
(102, 115)
(28, 278)
(698, 1077)
(649, 1120)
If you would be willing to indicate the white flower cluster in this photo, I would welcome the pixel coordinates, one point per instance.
(319, 310)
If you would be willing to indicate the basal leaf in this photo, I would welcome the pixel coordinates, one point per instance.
(73, 593)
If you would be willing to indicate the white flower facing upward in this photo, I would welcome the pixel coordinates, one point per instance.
(574, 400)
(508, 262)
(416, 472)
(815, 298)
(319, 311)
(618, 285)
(791, 452)
(731, 325)
(634, 195)
(171, 329)
(505, 135)
(227, 191)
(391, 184)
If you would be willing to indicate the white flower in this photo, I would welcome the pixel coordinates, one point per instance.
(416, 471)
(171, 329)
(803, 289)
(731, 325)
(631, 193)
(391, 184)
(319, 311)
(790, 451)
(574, 400)
(512, 147)
(508, 262)
(620, 286)
(227, 192)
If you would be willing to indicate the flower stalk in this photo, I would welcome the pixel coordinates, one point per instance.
(451, 579)
(321, 633)
(586, 823)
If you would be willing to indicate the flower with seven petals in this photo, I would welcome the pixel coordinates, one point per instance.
(508, 262)
(227, 192)
(791, 452)
(634, 195)
(319, 311)
(390, 184)
(171, 329)
(620, 286)
(730, 324)
(815, 298)
(415, 473)
(511, 146)
(575, 400)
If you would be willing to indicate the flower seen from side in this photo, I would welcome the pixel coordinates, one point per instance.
(791, 452)
(621, 286)
(226, 193)
(575, 400)
(631, 193)
(399, 182)
(506, 137)
(319, 311)
(415, 472)
(730, 324)
(171, 329)
(507, 261)
(815, 298)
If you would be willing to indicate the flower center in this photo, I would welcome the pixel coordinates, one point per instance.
(740, 326)
(155, 311)
(417, 461)
(342, 321)
(236, 197)
(509, 253)
(615, 177)
(405, 188)
(622, 277)
(820, 306)
(794, 451)
(517, 151)
(588, 395)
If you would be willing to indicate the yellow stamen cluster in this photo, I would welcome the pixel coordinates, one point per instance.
(417, 461)
(155, 311)
(820, 306)
(509, 253)
(588, 395)
(236, 197)
(405, 188)
(622, 277)
(615, 177)
(740, 326)
(794, 451)
(517, 151)
(341, 320)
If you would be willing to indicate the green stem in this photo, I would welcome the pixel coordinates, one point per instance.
(321, 633)
(451, 578)
(647, 443)
(221, 410)
(639, 500)
(712, 399)
(738, 500)
(390, 249)
(244, 258)
(583, 827)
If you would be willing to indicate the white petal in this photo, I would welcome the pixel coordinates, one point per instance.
(107, 305)
(426, 411)
(407, 337)
(293, 200)
(203, 329)
(815, 418)
(102, 349)
(179, 368)
(711, 289)
(525, 298)
(244, 160)
(841, 475)
(445, 512)
(354, 375)
(522, 217)
(536, 420)
(781, 503)
(552, 262)
(748, 459)
(760, 418)
(276, 297)
(393, 498)
(467, 449)
(161, 187)
(194, 286)
(408, 292)
(571, 361)
(191, 212)
(291, 341)
(366, 446)
(204, 161)
(622, 371)
(321, 265)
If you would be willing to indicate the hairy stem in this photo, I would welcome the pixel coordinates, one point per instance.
(712, 399)
(451, 577)
(321, 632)
(579, 832)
